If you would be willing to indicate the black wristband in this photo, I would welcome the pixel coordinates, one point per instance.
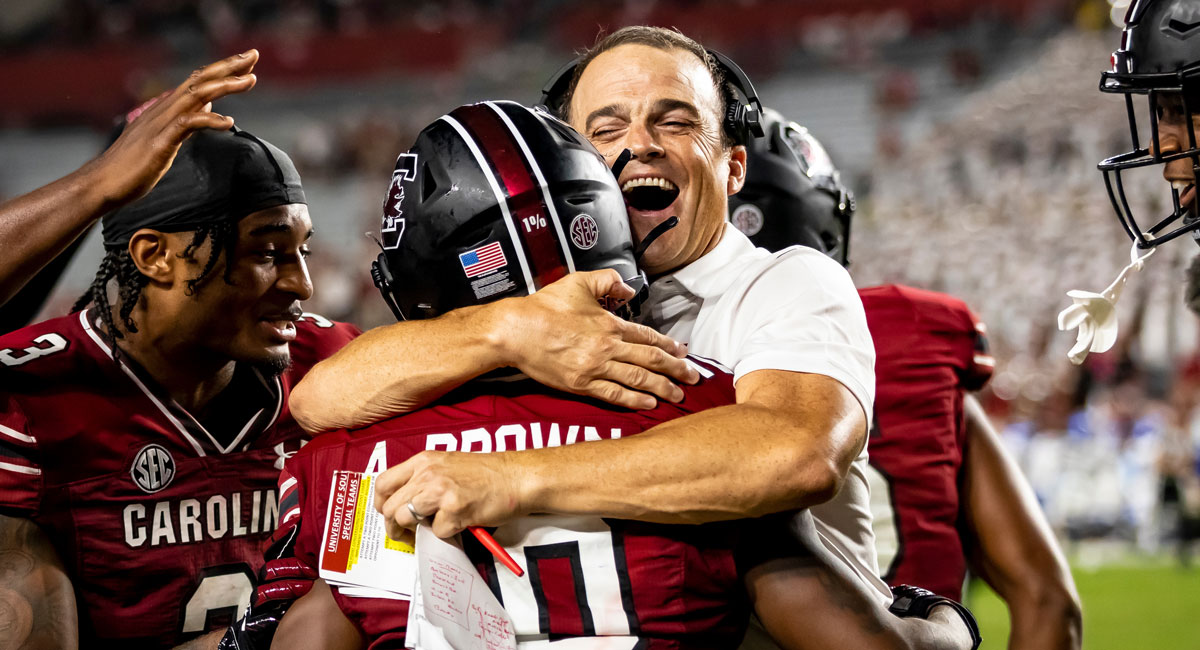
(909, 601)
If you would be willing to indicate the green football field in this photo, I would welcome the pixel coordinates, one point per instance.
(1155, 606)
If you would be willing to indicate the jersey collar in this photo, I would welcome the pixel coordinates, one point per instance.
(199, 438)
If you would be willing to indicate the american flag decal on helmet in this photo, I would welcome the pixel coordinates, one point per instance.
(484, 259)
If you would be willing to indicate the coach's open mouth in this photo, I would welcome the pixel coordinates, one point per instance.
(649, 194)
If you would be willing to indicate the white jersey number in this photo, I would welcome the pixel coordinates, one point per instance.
(573, 570)
(223, 591)
(49, 344)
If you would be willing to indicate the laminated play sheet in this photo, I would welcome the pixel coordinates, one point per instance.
(356, 554)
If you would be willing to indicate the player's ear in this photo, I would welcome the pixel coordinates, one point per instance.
(737, 169)
(154, 254)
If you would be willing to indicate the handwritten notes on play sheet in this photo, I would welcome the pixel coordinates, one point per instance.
(452, 607)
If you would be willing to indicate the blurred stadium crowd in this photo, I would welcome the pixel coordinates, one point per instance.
(969, 130)
(1003, 206)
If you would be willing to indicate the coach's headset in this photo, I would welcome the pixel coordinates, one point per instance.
(743, 110)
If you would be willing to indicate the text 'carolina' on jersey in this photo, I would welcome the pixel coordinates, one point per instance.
(159, 520)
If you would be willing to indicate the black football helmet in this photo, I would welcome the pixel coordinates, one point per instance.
(793, 194)
(1159, 57)
(494, 200)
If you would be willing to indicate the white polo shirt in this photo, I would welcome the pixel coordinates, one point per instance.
(797, 310)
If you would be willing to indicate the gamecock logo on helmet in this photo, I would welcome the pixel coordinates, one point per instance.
(392, 228)
(584, 231)
(153, 468)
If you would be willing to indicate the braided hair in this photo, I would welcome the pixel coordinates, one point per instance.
(117, 264)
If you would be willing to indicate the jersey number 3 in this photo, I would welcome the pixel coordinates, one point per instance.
(44, 345)
(220, 597)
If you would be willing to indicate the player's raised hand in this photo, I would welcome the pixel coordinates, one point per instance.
(561, 337)
(155, 130)
(448, 491)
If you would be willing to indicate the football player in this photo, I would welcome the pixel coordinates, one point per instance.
(636, 584)
(1158, 62)
(141, 436)
(1159, 58)
(944, 493)
(37, 226)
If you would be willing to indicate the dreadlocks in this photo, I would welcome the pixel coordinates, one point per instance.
(118, 265)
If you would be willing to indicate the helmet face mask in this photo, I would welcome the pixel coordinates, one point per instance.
(496, 200)
(1159, 63)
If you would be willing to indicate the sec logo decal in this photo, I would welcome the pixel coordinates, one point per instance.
(584, 231)
(748, 219)
(153, 468)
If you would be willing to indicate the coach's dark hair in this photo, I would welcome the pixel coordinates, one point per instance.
(660, 38)
(118, 265)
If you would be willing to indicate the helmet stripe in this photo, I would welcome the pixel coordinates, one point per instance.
(501, 199)
(542, 184)
(528, 213)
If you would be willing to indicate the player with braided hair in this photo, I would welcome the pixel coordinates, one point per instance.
(41, 226)
(118, 265)
(141, 437)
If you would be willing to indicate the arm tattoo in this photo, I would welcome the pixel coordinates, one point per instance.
(16, 619)
(37, 602)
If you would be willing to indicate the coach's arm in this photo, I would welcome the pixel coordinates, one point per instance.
(787, 443)
(1010, 545)
(559, 336)
(37, 226)
(37, 603)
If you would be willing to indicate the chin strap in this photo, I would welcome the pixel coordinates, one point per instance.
(618, 165)
(654, 234)
(1095, 314)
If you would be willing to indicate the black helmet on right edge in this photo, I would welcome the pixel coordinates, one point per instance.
(494, 200)
(1159, 58)
(793, 194)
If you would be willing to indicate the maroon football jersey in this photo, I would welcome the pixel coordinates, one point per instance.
(665, 586)
(929, 349)
(159, 523)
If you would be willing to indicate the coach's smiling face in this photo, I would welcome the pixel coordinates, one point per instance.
(664, 107)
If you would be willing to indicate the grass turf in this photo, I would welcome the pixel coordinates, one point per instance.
(1124, 607)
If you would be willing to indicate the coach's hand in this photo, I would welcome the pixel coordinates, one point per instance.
(155, 130)
(564, 339)
(450, 491)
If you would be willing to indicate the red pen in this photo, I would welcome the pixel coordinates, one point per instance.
(497, 550)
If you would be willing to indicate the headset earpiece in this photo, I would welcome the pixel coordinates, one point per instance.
(743, 117)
